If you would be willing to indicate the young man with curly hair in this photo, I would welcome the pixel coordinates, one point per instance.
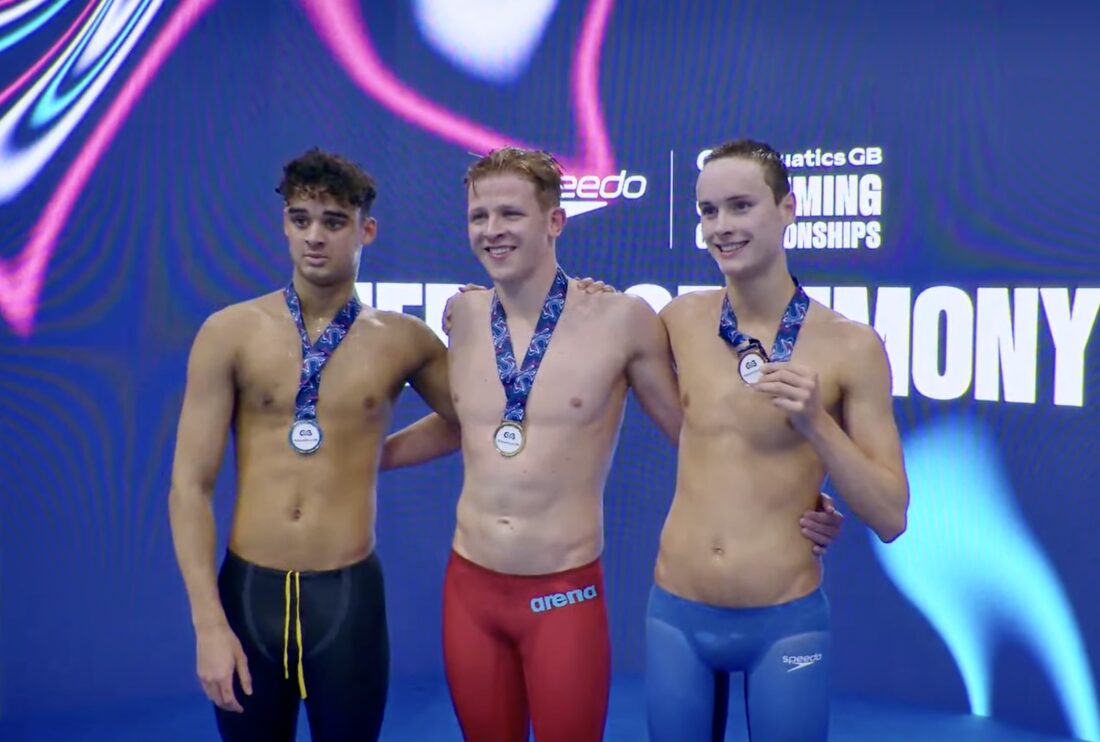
(297, 610)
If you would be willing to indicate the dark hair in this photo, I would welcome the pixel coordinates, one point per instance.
(775, 171)
(537, 166)
(318, 173)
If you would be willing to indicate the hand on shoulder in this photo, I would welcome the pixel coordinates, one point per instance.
(594, 286)
(460, 300)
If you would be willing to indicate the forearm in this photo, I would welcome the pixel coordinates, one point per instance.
(426, 439)
(877, 495)
(194, 536)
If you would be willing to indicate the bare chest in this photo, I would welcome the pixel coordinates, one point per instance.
(581, 372)
(717, 401)
(361, 377)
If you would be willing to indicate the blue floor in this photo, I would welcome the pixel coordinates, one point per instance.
(420, 711)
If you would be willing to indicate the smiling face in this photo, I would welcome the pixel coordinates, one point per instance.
(743, 219)
(513, 213)
(510, 230)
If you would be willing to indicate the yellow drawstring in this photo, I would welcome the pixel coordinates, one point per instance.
(297, 630)
(286, 625)
(298, 620)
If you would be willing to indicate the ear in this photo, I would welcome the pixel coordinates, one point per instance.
(286, 224)
(369, 230)
(789, 207)
(557, 221)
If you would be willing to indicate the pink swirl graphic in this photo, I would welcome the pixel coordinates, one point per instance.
(21, 278)
(341, 27)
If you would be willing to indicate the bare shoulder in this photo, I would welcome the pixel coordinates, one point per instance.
(465, 309)
(614, 304)
(406, 329)
(228, 326)
(618, 315)
(845, 333)
(690, 305)
(471, 302)
(858, 344)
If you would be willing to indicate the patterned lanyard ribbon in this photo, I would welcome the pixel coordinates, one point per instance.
(789, 327)
(316, 355)
(518, 381)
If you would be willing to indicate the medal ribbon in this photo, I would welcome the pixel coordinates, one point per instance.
(518, 381)
(789, 327)
(316, 355)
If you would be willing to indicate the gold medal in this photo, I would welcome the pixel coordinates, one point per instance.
(508, 438)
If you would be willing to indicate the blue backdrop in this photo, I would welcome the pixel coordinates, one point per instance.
(944, 162)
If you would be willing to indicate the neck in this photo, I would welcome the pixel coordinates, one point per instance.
(525, 296)
(762, 298)
(322, 301)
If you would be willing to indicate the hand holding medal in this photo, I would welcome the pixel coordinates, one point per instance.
(751, 358)
(751, 361)
(794, 389)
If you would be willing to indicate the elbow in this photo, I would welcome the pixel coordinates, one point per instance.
(177, 506)
(175, 497)
(895, 524)
(889, 532)
(182, 494)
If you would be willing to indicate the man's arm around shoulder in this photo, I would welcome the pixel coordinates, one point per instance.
(649, 368)
(438, 433)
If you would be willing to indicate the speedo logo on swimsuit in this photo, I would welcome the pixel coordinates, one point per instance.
(557, 600)
(798, 661)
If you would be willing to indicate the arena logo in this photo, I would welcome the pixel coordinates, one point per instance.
(559, 600)
(580, 195)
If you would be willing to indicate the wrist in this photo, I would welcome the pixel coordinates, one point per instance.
(209, 619)
(817, 428)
